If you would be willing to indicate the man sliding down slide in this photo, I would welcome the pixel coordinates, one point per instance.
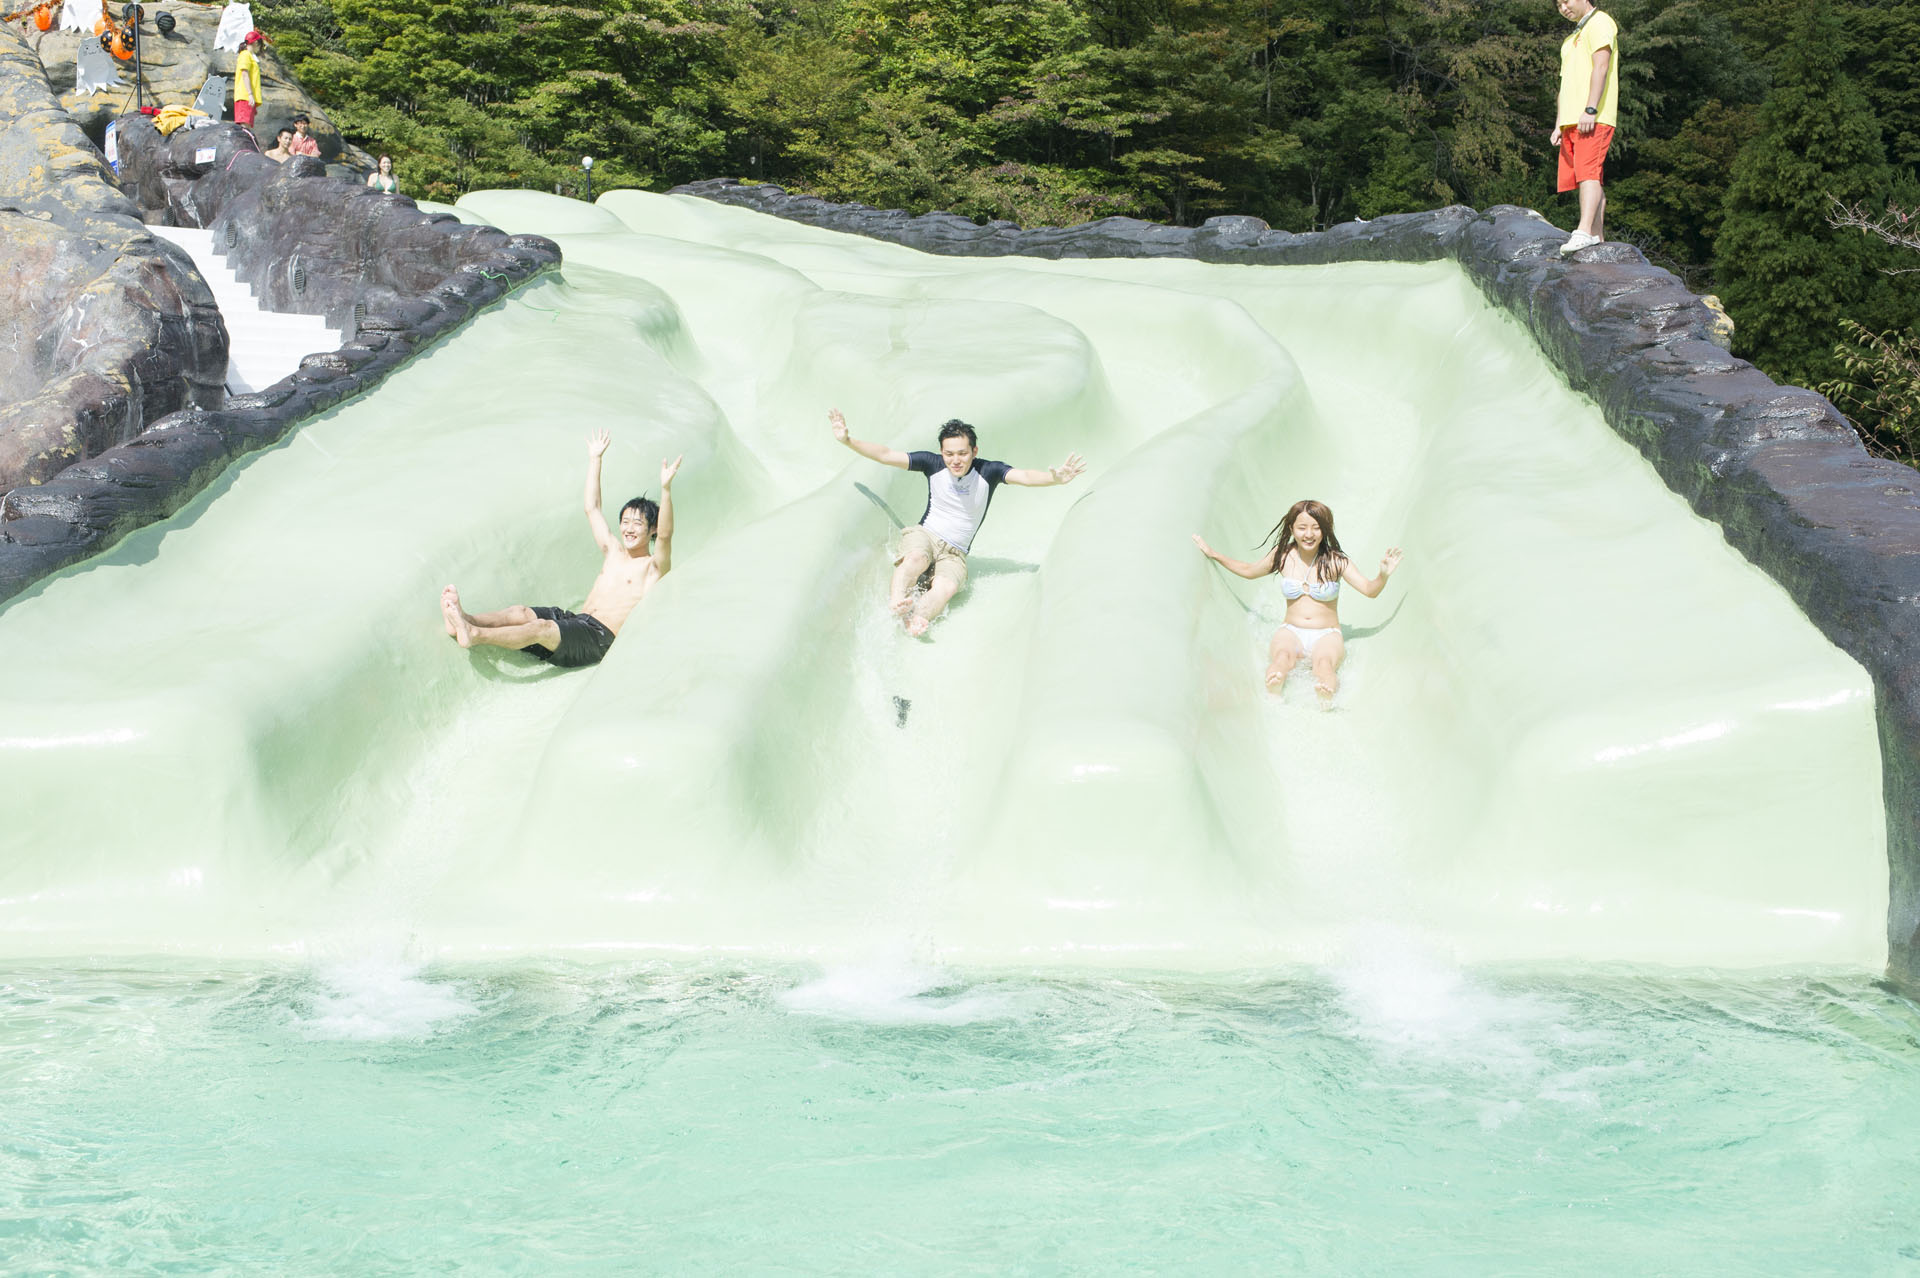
(631, 564)
(933, 553)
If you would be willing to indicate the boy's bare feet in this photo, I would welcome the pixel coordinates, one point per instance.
(456, 619)
(916, 626)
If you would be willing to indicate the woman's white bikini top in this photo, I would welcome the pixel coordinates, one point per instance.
(1318, 591)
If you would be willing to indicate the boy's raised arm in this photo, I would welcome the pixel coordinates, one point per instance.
(596, 449)
(663, 535)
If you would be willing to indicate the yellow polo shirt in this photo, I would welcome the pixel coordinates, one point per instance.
(1597, 32)
(246, 77)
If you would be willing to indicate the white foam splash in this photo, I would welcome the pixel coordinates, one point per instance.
(373, 999)
(891, 994)
(1403, 996)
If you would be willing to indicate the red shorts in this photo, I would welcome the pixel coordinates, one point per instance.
(1582, 154)
(243, 113)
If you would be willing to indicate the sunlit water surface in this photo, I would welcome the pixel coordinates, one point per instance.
(1390, 1117)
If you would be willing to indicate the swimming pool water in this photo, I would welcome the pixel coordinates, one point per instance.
(1398, 1116)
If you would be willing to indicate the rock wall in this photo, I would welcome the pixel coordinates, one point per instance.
(396, 279)
(174, 66)
(103, 329)
(1777, 467)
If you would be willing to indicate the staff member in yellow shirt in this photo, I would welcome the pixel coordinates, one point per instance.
(246, 80)
(1589, 108)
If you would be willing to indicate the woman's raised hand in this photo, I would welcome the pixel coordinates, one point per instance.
(1389, 561)
(839, 424)
(1201, 542)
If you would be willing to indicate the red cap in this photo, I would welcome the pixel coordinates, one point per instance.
(251, 37)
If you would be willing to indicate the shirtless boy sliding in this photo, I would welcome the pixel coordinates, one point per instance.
(640, 556)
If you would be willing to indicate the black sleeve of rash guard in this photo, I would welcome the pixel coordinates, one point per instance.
(994, 472)
(924, 463)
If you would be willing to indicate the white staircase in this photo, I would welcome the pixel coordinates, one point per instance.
(263, 346)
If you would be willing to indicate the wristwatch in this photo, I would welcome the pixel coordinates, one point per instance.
(1593, 110)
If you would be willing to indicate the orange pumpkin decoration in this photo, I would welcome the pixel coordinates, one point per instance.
(43, 17)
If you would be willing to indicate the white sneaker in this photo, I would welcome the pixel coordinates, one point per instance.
(1577, 241)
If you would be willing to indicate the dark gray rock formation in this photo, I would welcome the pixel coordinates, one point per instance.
(395, 278)
(103, 329)
(312, 244)
(1777, 467)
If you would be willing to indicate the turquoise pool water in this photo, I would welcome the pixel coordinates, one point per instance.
(1400, 1117)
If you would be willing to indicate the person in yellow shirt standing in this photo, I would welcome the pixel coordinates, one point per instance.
(246, 80)
(1589, 108)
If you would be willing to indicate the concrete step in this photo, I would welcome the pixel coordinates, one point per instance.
(263, 346)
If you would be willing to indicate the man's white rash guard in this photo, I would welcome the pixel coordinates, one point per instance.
(956, 508)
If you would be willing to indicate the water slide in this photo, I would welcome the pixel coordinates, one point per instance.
(1575, 726)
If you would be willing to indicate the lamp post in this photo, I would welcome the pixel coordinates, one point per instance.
(586, 162)
(131, 16)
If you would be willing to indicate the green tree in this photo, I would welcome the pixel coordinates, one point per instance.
(797, 93)
(1887, 63)
(1786, 276)
(1672, 198)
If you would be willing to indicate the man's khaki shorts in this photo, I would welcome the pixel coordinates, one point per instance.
(948, 564)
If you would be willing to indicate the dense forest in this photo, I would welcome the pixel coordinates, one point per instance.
(1747, 128)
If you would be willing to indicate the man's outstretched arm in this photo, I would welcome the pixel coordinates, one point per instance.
(1065, 473)
(663, 535)
(875, 452)
(596, 449)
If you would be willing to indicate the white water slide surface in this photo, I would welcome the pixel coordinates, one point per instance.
(1575, 726)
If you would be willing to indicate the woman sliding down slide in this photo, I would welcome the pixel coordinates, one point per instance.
(1311, 566)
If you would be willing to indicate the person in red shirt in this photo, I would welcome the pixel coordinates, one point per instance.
(303, 142)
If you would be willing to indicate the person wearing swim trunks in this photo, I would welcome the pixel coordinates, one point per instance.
(960, 486)
(1311, 566)
(1588, 108)
(632, 563)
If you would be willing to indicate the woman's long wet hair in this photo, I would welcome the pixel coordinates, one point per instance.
(1330, 560)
